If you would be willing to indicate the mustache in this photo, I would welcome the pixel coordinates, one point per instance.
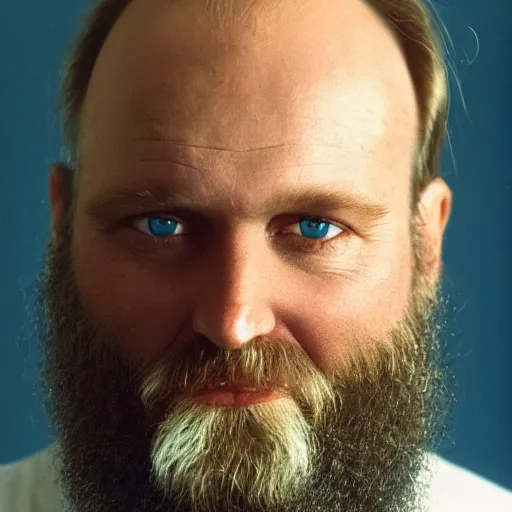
(199, 366)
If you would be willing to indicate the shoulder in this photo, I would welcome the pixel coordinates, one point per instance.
(454, 488)
(28, 485)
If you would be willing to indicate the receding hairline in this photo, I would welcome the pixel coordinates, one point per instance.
(410, 22)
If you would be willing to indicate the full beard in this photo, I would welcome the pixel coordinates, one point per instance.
(351, 440)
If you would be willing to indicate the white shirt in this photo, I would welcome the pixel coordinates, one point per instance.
(27, 486)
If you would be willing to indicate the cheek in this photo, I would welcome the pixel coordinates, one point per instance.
(119, 292)
(344, 313)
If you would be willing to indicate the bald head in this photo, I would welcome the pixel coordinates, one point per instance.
(329, 75)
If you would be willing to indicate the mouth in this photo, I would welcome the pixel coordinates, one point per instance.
(237, 397)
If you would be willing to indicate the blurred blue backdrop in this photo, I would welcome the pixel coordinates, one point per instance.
(478, 268)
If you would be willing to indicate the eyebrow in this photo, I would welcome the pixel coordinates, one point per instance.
(125, 200)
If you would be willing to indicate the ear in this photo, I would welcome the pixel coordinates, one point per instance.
(59, 191)
(433, 213)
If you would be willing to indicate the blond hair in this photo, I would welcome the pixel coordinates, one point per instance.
(411, 21)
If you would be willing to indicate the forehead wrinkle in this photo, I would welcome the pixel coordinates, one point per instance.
(168, 148)
(157, 132)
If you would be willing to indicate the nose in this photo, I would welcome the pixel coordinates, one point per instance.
(232, 305)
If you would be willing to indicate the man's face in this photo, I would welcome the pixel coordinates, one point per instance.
(179, 271)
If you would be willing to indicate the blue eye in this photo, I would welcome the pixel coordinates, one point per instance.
(314, 227)
(157, 226)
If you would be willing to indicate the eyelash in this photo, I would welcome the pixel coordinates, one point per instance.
(307, 245)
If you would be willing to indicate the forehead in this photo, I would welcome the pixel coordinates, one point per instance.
(314, 98)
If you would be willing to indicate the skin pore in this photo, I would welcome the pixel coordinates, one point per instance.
(214, 130)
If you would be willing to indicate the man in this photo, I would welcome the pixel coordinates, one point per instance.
(240, 306)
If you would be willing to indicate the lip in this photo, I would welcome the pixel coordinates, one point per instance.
(237, 397)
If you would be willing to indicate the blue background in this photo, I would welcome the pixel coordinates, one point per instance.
(478, 268)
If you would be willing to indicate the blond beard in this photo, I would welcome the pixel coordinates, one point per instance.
(263, 453)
